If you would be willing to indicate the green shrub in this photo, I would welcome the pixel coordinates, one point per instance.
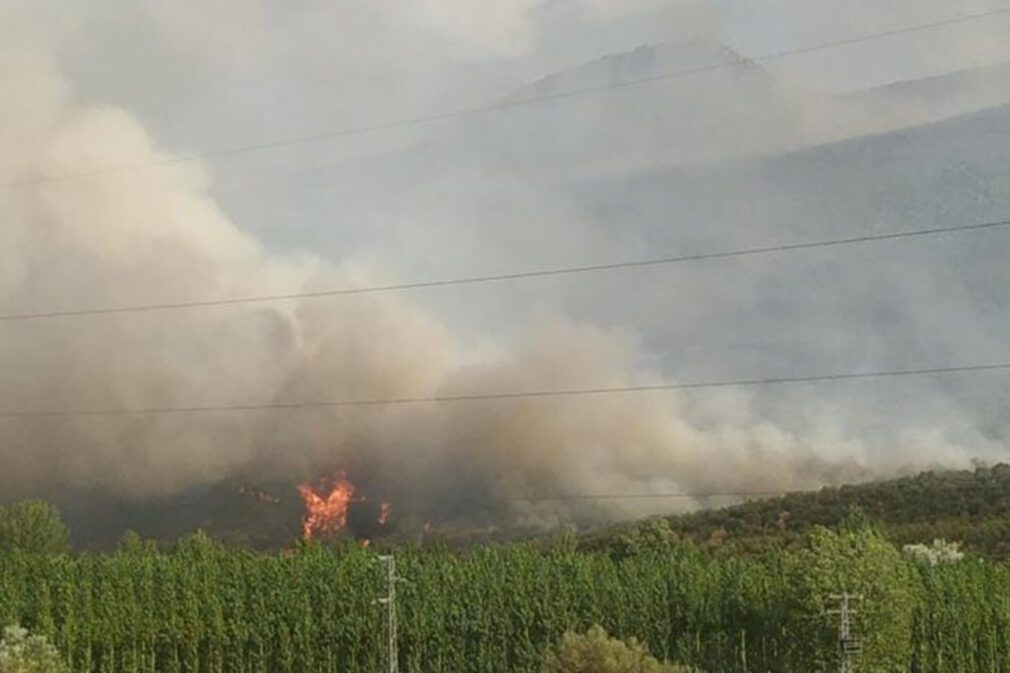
(596, 652)
(22, 653)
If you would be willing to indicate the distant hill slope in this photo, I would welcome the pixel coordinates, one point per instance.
(643, 63)
(970, 506)
(946, 95)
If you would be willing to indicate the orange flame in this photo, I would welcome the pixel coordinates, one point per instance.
(325, 512)
(385, 509)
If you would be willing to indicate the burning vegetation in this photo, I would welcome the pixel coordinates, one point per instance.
(334, 504)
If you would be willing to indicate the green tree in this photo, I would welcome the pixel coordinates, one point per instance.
(596, 652)
(861, 561)
(652, 536)
(34, 527)
(132, 543)
(22, 653)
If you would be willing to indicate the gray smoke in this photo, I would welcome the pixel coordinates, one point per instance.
(722, 162)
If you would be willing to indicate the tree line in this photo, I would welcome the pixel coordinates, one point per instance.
(203, 608)
(971, 506)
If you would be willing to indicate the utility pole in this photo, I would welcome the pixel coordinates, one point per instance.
(389, 600)
(848, 645)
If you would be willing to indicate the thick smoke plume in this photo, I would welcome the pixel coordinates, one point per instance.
(152, 235)
(155, 233)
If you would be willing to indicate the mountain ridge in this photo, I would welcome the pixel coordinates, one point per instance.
(971, 507)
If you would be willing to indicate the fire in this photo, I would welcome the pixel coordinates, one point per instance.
(329, 504)
(385, 509)
(326, 507)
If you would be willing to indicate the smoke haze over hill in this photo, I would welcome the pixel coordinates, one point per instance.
(738, 157)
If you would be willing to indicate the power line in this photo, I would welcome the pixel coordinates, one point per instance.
(658, 496)
(500, 105)
(830, 490)
(783, 492)
(541, 273)
(476, 397)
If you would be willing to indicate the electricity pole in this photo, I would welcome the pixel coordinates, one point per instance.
(848, 645)
(389, 600)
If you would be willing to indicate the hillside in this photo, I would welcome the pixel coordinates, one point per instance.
(644, 62)
(970, 506)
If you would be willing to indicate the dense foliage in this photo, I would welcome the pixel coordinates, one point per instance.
(496, 609)
(32, 526)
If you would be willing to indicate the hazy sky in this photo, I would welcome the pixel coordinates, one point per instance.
(764, 26)
(210, 74)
